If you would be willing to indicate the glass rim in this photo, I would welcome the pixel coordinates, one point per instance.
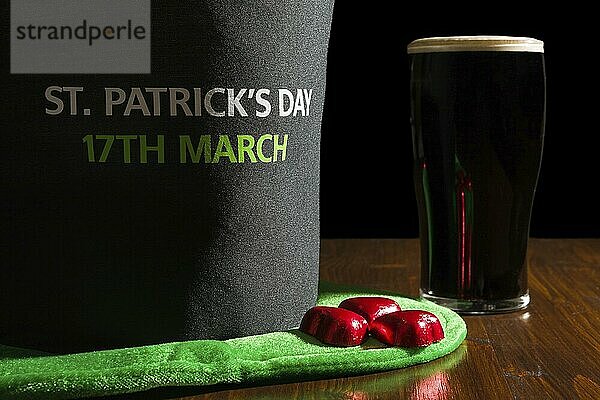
(441, 44)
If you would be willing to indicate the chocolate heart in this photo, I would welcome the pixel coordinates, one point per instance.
(370, 307)
(409, 328)
(335, 326)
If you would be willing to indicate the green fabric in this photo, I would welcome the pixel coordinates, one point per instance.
(258, 359)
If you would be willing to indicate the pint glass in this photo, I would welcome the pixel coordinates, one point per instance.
(478, 111)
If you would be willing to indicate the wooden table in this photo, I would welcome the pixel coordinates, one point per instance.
(549, 351)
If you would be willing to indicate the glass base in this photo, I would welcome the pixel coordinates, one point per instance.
(478, 306)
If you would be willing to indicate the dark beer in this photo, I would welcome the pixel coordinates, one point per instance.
(478, 109)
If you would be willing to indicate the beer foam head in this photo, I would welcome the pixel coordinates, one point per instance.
(475, 43)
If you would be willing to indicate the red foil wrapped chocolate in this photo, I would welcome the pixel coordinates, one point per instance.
(370, 307)
(410, 328)
(335, 326)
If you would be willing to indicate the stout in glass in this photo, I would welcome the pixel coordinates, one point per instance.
(478, 110)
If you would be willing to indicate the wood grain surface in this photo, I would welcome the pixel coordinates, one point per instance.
(549, 351)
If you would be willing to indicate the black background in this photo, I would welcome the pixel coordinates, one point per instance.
(366, 172)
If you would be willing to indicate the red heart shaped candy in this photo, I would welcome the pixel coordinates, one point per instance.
(336, 326)
(409, 328)
(370, 308)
